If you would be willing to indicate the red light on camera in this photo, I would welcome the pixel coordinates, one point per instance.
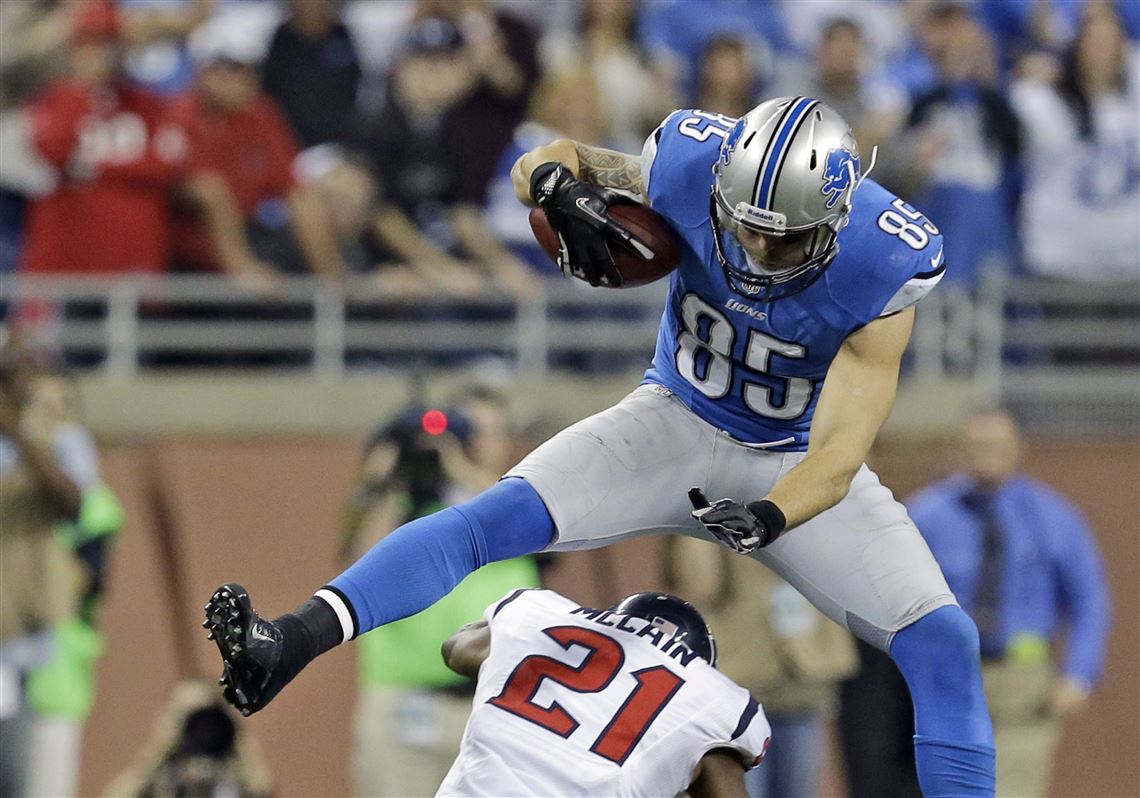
(434, 422)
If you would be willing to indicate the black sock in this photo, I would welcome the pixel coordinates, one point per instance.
(309, 631)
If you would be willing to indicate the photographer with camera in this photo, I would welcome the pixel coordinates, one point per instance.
(412, 708)
(195, 750)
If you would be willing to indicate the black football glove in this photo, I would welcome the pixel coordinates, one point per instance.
(744, 528)
(577, 212)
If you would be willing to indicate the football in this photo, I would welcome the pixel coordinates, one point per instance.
(643, 222)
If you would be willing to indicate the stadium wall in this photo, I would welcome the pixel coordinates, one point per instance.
(205, 509)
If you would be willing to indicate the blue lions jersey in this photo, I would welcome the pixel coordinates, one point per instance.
(755, 369)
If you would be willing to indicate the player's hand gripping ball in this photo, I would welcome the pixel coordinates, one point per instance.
(598, 235)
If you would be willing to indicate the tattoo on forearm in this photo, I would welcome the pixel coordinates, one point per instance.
(609, 168)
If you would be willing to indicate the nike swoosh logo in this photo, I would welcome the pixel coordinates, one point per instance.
(257, 634)
(581, 202)
(645, 252)
(936, 261)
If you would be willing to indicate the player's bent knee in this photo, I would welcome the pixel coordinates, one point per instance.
(938, 656)
(956, 630)
(944, 641)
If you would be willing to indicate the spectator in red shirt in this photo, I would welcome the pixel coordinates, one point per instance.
(116, 155)
(243, 187)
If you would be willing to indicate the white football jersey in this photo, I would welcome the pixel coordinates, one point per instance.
(1082, 195)
(577, 701)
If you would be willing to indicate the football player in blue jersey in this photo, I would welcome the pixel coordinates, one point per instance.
(777, 362)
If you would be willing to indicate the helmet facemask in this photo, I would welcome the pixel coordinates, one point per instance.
(751, 278)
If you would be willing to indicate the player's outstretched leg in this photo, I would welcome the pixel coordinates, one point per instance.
(938, 656)
(407, 571)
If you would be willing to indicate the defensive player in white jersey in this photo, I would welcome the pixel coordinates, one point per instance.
(574, 701)
(777, 362)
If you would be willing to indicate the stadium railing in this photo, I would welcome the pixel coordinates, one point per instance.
(1056, 350)
(124, 325)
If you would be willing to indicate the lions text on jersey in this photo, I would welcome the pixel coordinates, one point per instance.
(573, 701)
(754, 368)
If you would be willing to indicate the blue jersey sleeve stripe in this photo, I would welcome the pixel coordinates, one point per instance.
(746, 717)
(790, 123)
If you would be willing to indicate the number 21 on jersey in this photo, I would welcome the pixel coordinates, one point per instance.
(655, 687)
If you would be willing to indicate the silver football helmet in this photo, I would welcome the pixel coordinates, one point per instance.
(788, 170)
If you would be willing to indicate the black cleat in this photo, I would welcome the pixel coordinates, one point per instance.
(251, 649)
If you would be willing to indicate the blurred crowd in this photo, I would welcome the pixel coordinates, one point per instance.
(264, 138)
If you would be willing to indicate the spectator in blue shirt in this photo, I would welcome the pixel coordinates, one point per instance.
(1024, 564)
(675, 33)
(959, 151)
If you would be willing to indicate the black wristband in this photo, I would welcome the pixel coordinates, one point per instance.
(771, 516)
(541, 173)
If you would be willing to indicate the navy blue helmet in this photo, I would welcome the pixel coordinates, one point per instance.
(673, 614)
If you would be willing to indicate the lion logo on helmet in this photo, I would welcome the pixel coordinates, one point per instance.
(836, 176)
(730, 142)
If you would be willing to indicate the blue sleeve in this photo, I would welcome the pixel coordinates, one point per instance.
(1083, 596)
(655, 155)
(677, 160)
(890, 255)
